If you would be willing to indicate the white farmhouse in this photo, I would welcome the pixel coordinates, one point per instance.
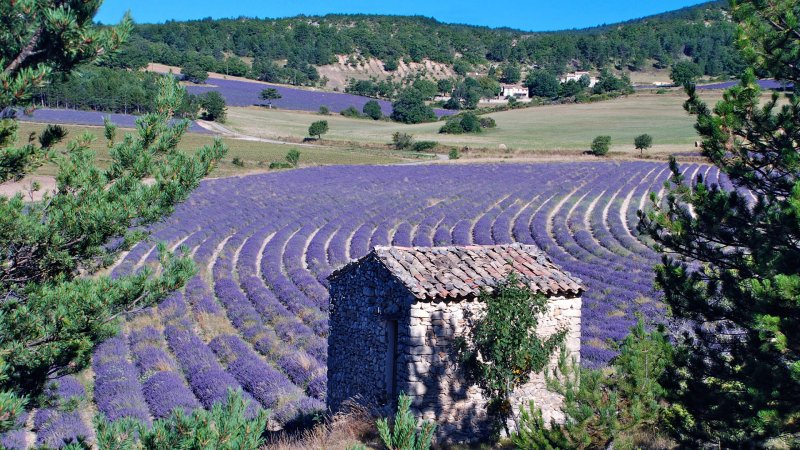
(576, 76)
(514, 90)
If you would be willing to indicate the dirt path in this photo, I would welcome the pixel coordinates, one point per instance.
(217, 128)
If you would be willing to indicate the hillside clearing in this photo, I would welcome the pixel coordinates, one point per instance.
(558, 127)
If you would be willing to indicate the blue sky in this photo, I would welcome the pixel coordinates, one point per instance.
(533, 15)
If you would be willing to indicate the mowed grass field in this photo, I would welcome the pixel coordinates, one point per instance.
(255, 155)
(546, 128)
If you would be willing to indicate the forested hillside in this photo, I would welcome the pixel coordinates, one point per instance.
(288, 50)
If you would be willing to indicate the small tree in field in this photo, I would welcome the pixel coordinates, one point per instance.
(372, 109)
(643, 142)
(684, 72)
(503, 349)
(318, 128)
(269, 95)
(600, 145)
(293, 157)
(213, 104)
(402, 141)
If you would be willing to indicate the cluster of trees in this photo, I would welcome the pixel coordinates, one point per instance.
(387, 88)
(97, 88)
(545, 84)
(703, 34)
(410, 107)
(296, 72)
(105, 89)
(467, 122)
(467, 93)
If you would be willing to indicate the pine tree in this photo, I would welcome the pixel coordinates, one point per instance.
(52, 311)
(731, 271)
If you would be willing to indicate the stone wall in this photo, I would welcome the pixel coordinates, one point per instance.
(430, 373)
(362, 300)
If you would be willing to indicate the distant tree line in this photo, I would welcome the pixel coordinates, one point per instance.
(287, 50)
(120, 91)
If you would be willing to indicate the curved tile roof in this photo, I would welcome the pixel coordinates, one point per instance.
(462, 271)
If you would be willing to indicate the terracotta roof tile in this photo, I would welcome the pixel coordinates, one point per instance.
(442, 272)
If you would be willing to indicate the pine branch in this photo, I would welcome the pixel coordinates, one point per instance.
(27, 52)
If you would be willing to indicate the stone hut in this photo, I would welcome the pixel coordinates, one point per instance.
(395, 313)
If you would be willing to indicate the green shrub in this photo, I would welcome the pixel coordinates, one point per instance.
(213, 104)
(600, 145)
(237, 161)
(350, 111)
(391, 64)
(402, 141)
(602, 406)
(466, 123)
(402, 434)
(410, 107)
(452, 126)
(293, 157)
(324, 110)
(225, 427)
(453, 154)
(503, 349)
(470, 123)
(422, 146)
(487, 122)
(280, 165)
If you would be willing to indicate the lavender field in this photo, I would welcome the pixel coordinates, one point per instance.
(91, 118)
(255, 317)
(764, 84)
(246, 93)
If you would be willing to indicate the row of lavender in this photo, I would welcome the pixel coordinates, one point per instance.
(255, 318)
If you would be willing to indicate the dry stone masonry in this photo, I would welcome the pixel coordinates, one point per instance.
(396, 312)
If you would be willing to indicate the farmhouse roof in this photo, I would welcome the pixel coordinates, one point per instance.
(456, 272)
